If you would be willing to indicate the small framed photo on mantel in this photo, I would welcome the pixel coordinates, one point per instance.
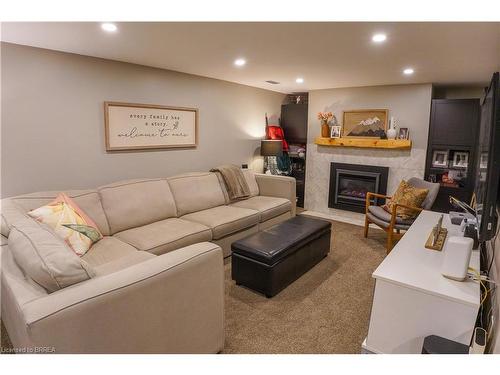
(130, 126)
(404, 133)
(335, 131)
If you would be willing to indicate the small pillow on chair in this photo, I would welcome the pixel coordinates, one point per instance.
(409, 196)
(69, 222)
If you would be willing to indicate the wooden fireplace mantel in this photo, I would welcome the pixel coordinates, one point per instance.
(364, 142)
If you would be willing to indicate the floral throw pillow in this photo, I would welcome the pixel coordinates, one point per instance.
(69, 222)
(409, 196)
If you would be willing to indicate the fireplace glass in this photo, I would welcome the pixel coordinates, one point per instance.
(349, 184)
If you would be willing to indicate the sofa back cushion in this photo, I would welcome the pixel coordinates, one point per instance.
(44, 257)
(130, 204)
(251, 182)
(88, 200)
(196, 192)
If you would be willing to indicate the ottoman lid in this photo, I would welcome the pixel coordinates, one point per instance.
(280, 240)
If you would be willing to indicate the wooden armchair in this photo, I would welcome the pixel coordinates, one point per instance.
(390, 222)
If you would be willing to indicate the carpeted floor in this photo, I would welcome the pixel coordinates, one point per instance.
(5, 344)
(325, 311)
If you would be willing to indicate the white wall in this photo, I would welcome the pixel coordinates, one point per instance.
(410, 104)
(53, 120)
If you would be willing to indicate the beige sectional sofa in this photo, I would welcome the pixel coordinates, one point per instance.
(153, 284)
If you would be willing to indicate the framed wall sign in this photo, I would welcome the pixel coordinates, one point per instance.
(365, 123)
(130, 126)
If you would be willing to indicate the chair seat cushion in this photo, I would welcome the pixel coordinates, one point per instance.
(383, 223)
(165, 235)
(268, 207)
(224, 220)
(382, 214)
(107, 250)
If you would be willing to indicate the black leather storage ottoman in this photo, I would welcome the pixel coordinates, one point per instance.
(271, 260)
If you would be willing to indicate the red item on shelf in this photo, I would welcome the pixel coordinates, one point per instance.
(276, 132)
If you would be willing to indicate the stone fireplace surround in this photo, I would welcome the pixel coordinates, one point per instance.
(409, 104)
(402, 164)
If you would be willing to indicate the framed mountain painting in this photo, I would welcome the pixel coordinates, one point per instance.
(365, 123)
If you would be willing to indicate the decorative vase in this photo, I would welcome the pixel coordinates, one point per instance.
(325, 129)
(391, 132)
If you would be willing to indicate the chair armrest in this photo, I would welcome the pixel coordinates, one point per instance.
(369, 195)
(173, 303)
(377, 195)
(278, 186)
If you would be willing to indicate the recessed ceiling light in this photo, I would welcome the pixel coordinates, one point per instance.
(109, 27)
(379, 38)
(240, 62)
(299, 80)
(408, 71)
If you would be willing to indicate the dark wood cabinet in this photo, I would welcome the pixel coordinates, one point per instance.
(454, 121)
(294, 124)
(453, 132)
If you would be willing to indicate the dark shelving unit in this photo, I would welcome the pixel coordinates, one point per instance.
(453, 129)
(294, 124)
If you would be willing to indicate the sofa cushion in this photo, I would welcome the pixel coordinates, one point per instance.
(165, 235)
(88, 200)
(123, 262)
(107, 250)
(44, 257)
(268, 207)
(224, 220)
(251, 182)
(196, 192)
(130, 204)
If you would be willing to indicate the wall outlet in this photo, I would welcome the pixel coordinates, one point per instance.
(244, 166)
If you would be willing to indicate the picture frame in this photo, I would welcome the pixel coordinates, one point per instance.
(365, 123)
(336, 131)
(133, 127)
(440, 159)
(403, 133)
(460, 160)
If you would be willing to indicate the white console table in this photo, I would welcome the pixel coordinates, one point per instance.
(413, 300)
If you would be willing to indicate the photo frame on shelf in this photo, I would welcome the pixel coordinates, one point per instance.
(403, 133)
(460, 160)
(335, 131)
(440, 159)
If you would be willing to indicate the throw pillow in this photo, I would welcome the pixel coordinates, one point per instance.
(409, 196)
(69, 222)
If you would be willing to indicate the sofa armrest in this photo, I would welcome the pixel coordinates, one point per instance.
(173, 303)
(278, 186)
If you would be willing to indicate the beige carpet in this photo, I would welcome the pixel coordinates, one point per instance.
(325, 311)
